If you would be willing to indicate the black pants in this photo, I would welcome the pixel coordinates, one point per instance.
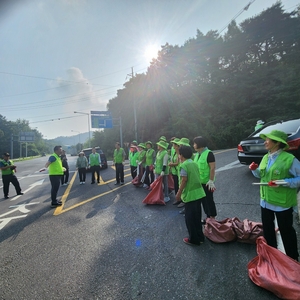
(95, 169)
(193, 221)
(82, 174)
(176, 183)
(65, 177)
(148, 180)
(208, 203)
(133, 172)
(119, 172)
(55, 183)
(7, 179)
(285, 225)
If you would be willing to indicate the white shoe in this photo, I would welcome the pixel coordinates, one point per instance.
(145, 185)
(167, 199)
(81, 182)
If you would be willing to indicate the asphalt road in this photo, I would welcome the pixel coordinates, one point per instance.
(104, 243)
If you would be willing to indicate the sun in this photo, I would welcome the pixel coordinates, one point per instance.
(151, 52)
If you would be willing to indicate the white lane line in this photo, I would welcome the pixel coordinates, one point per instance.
(235, 164)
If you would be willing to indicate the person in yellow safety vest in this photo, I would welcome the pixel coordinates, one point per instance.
(8, 175)
(56, 171)
(206, 162)
(279, 173)
(119, 160)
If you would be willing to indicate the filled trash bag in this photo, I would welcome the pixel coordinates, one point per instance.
(232, 229)
(156, 195)
(219, 231)
(137, 180)
(275, 271)
(247, 231)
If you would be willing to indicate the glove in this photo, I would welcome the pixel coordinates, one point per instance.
(276, 183)
(253, 166)
(42, 170)
(137, 161)
(12, 167)
(64, 169)
(151, 168)
(162, 173)
(211, 186)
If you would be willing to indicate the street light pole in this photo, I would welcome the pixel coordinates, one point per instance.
(88, 115)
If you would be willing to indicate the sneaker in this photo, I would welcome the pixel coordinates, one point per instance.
(6, 197)
(81, 183)
(167, 199)
(187, 241)
(59, 201)
(180, 205)
(56, 204)
(122, 183)
(117, 183)
(20, 193)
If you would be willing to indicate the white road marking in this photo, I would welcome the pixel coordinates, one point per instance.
(235, 164)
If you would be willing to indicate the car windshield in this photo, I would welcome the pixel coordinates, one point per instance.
(288, 127)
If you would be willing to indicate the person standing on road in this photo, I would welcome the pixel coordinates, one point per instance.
(8, 170)
(161, 166)
(119, 160)
(56, 171)
(65, 176)
(82, 164)
(207, 166)
(133, 155)
(174, 166)
(94, 164)
(149, 165)
(192, 194)
(279, 173)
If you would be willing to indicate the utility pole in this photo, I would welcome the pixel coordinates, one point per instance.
(134, 108)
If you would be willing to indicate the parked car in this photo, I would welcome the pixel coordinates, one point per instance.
(252, 148)
(88, 151)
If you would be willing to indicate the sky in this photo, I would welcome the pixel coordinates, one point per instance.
(61, 56)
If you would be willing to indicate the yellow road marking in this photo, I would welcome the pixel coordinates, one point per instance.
(59, 210)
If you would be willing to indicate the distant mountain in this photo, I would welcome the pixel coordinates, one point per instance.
(71, 140)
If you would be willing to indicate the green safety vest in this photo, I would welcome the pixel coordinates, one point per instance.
(203, 166)
(118, 156)
(159, 162)
(7, 171)
(55, 168)
(280, 196)
(94, 159)
(193, 189)
(174, 170)
(149, 157)
(141, 157)
(133, 157)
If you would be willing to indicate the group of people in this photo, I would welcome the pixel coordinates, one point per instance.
(193, 176)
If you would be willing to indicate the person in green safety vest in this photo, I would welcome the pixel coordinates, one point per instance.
(8, 175)
(279, 173)
(94, 165)
(133, 156)
(192, 194)
(56, 170)
(206, 162)
(150, 159)
(119, 160)
(259, 124)
(174, 166)
(161, 166)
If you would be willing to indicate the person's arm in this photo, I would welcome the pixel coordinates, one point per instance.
(3, 167)
(50, 161)
(295, 171)
(183, 182)
(99, 159)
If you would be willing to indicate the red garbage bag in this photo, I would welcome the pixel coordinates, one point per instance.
(219, 231)
(170, 182)
(156, 195)
(137, 180)
(275, 271)
(247, 231)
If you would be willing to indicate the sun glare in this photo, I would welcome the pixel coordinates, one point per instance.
(151, 52)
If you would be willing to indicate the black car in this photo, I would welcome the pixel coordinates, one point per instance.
(252, 148)
(88, 151)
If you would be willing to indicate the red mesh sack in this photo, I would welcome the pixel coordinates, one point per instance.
(219, 231)
(156, 195)
(247, 231)
(275, 271)
(170, 182)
